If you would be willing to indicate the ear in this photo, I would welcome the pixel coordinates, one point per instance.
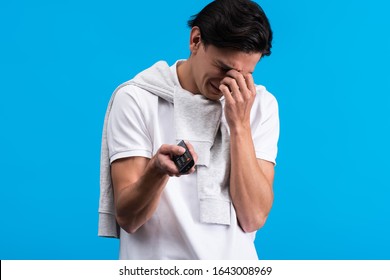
(195, 39)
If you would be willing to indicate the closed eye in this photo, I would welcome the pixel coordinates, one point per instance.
(223, 67)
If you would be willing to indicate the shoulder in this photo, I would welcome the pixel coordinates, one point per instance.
(265, 98)
(131, 98)
(127, 93)
(265, 104)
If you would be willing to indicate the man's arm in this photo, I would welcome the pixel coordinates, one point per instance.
(138, 184)
(251, 182)
(251, 179)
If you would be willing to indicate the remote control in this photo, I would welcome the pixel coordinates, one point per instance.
(184, 162)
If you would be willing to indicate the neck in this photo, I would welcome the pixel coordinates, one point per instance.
(184, 73)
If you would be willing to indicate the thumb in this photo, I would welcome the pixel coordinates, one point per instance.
(178, 151)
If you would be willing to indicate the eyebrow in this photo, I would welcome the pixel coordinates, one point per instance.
(227, 67)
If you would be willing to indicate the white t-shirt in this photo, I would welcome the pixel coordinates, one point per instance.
(139, 124)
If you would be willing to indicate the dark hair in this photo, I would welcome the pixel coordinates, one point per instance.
(236, 24)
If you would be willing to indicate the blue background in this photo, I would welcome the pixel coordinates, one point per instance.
(61, 60)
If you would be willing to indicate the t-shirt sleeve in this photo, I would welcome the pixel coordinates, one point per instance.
(127, 134)
(266, 130)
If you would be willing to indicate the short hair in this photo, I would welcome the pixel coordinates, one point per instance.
(235, 24)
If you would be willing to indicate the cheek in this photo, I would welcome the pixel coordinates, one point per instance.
(215, 75)
(219, 74)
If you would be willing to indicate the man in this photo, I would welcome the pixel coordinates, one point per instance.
(230, 126)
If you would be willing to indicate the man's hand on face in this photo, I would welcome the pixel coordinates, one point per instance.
(163, 159)
(239, 91)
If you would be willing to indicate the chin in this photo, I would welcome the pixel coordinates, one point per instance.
(212, 93)
(214, 97)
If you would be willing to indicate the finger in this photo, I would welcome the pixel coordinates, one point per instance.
(177, 150)
(164, 158)
(172, 150)
(191, 150)
(231, 83)
(250, 83)
(193, 154)
(240, 80)
(166, 163)
(226, 93)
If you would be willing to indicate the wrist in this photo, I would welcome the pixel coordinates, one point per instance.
(240, 129)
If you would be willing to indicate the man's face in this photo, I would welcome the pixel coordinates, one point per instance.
(210, 65)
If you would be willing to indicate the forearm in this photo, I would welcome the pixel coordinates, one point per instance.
(136, 203)
(250, 190)
(139, 182)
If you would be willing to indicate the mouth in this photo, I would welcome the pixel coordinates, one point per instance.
(216, 89)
